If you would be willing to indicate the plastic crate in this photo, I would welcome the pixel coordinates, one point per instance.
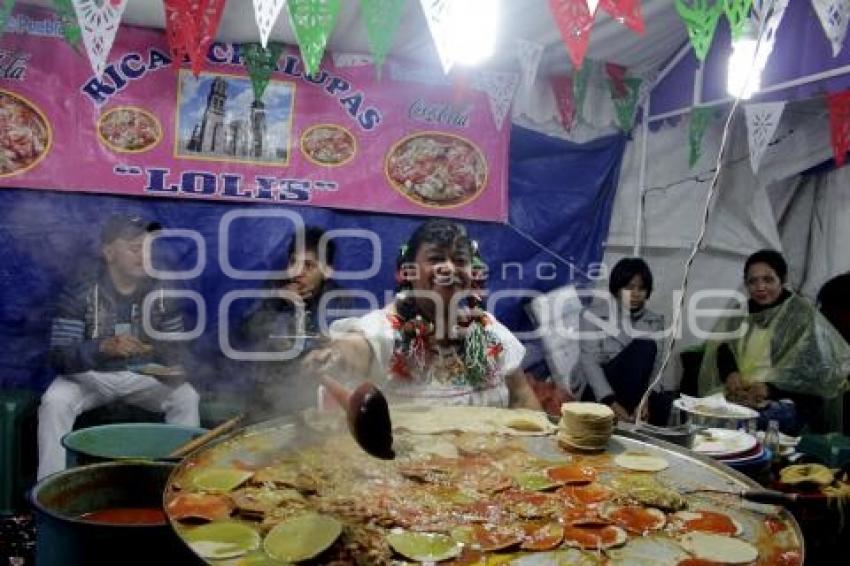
(17, 423)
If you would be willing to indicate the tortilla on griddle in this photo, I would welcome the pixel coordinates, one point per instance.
(719, 548)
(641, 462)
(483, 420)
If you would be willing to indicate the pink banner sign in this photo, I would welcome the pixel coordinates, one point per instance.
(408, 143)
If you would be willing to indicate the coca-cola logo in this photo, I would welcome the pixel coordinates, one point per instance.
(439, 113)
(13, 64)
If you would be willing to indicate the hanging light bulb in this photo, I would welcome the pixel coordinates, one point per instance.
(743, 77)
(474, 29)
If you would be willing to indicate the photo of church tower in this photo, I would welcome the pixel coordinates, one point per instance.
(219, 118)
(208, 136)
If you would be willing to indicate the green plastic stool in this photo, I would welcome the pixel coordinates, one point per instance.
(16, 406)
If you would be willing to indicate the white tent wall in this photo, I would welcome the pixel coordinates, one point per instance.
(806, 217)
(535, 108)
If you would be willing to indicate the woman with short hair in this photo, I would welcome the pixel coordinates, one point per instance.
(617, 364)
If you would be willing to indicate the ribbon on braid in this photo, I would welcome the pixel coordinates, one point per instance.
(420, 338)
(416, 332)
(475, 353)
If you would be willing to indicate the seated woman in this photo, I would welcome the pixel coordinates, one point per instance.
(617, 367)
(432, 344)
(785, 350)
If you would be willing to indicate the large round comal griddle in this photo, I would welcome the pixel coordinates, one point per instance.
(266, 443)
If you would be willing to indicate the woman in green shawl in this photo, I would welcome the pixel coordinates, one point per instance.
(784, 349)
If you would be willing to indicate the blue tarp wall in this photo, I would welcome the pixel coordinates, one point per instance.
(561, 196)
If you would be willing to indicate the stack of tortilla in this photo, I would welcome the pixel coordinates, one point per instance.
(586, 426)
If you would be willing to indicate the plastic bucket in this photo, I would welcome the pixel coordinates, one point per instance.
(67, 540)
(125, 441)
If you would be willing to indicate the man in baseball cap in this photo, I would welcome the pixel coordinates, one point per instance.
(126, 227)
(98, 344)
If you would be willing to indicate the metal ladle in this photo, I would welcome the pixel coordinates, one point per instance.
(368, 416)
(766, 496)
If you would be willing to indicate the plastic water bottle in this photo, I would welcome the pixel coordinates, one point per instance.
(675, 418)
(771, 440)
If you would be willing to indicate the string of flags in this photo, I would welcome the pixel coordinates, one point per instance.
(99, 22)
(839, 125)
(312, 22)
(266, 13)
(5, 12)
(437, 15)
(70, 28)
(562, 86)
(381, 18)
(700, 17)
(833, 16)
(767, 15)
(192, 25)
(700, 118)
(762, 120)
(261, 61)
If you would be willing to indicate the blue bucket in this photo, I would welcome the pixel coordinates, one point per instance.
(126, 441)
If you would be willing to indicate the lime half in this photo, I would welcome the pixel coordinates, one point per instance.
(424, 547)
(259, 558)
(536, 482)
(463, 533)
(225, 539)
(219, 480)
(302, 537)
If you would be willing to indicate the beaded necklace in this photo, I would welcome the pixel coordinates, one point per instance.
(417, 332)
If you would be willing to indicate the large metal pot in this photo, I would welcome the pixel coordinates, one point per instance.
(64, 539)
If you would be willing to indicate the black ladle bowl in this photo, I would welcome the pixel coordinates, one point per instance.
(368, 416)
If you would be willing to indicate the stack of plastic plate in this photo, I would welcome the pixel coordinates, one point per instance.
(734, 448)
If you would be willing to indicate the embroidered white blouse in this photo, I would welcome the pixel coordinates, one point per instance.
(443, 379)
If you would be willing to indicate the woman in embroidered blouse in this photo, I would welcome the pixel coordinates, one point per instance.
(433, 344)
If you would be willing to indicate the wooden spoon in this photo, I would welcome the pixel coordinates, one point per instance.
(368, 416)
(212, 434)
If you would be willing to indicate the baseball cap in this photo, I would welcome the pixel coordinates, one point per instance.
(126, 227)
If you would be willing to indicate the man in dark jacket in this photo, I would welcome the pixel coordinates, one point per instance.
(98, 343)
(296, 315)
